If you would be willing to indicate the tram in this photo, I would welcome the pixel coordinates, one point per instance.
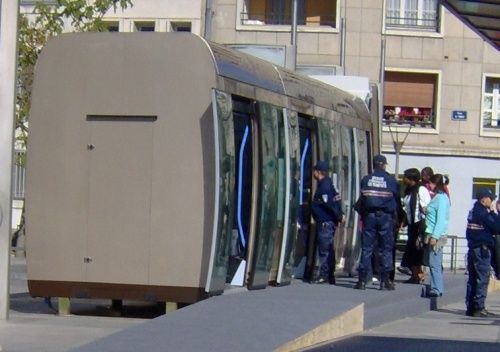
(165, 167)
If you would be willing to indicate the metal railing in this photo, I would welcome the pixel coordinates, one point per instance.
(456, 245)
(280, 18)
(418, 23)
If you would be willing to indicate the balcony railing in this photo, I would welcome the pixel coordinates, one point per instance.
(491, 123)
(426, 121)
(270, 18)
(413, 23)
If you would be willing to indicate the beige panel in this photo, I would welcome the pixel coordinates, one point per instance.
(412, 48)
(432, 49)
(88, 78)
(119, 201)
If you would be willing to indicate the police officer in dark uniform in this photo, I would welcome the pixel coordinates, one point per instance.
(379, 201)
(482, 224)
(327, 212)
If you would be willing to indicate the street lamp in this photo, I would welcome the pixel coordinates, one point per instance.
(398, 136)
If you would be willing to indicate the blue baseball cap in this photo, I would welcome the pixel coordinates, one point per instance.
(321, 166)
(485, 193)
(379, 159)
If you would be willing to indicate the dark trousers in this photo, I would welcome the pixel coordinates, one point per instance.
(495, 257)
(378, 228)
(325, 232)
(478, 265)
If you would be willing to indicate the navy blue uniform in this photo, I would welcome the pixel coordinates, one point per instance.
(327, 212)
(482, 224)
(380, 197)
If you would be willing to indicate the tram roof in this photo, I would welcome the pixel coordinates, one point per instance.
(228, 63)
(249, 69)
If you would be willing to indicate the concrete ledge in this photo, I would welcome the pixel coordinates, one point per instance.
(494, 285)
(348, 323)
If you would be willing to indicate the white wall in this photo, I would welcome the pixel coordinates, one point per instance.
(461, 171)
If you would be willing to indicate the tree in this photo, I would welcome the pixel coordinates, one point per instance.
(47, 21)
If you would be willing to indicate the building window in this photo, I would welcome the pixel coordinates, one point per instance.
(279, 12)
(144, 26)
(491, 103)
(112, 26)
(492, 184)
(412, 14)
(180, 26)
(410, 98)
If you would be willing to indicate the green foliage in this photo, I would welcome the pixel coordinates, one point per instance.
(35, 30)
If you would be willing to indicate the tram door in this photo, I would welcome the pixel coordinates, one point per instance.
(304, 248)
(265, 241)
(243, 219)
(330, 149)
(224, 191)
(291, 134)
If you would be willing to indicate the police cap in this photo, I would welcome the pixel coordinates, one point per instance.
(379, 159)
(321, 166)
(485, 193)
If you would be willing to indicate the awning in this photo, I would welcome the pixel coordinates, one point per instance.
(482, 16)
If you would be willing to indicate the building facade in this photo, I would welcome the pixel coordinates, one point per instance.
(439, 81)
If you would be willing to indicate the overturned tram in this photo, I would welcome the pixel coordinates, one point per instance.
(164, 167)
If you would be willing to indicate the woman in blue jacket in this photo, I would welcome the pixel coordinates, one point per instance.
(436, 223)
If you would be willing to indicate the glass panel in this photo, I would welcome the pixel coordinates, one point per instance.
(330, 149)
(242, 220)
(486, 119)
(225, 166)
(488, 102)
(293, 206)
(304, 246)
(270, 220)
(353, 251)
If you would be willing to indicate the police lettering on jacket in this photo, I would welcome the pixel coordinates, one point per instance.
(326, 204)
(380, 191)
(481, 226)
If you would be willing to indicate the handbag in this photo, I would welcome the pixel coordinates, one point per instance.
(420, 238)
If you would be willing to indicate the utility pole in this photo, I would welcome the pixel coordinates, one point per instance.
(8, 52)
(292, 64)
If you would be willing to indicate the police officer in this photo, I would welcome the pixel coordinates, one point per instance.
(379, 201)
(482, 224)
(327, 212)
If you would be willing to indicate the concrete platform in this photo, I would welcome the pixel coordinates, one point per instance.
(278, 318)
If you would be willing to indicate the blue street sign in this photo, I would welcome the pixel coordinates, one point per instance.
(459, 115)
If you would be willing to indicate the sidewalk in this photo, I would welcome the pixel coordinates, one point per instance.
(447, 329)
(249, 320)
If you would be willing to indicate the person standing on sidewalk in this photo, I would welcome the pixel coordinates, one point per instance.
(482, 224)
(327, 212)
(436, 231)
(379, 201)
(416, 199)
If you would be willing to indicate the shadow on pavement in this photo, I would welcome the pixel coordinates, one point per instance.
(384, 344)
(24, 303)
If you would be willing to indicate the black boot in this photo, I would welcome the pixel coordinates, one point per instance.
(361, 284)
(386, 283)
